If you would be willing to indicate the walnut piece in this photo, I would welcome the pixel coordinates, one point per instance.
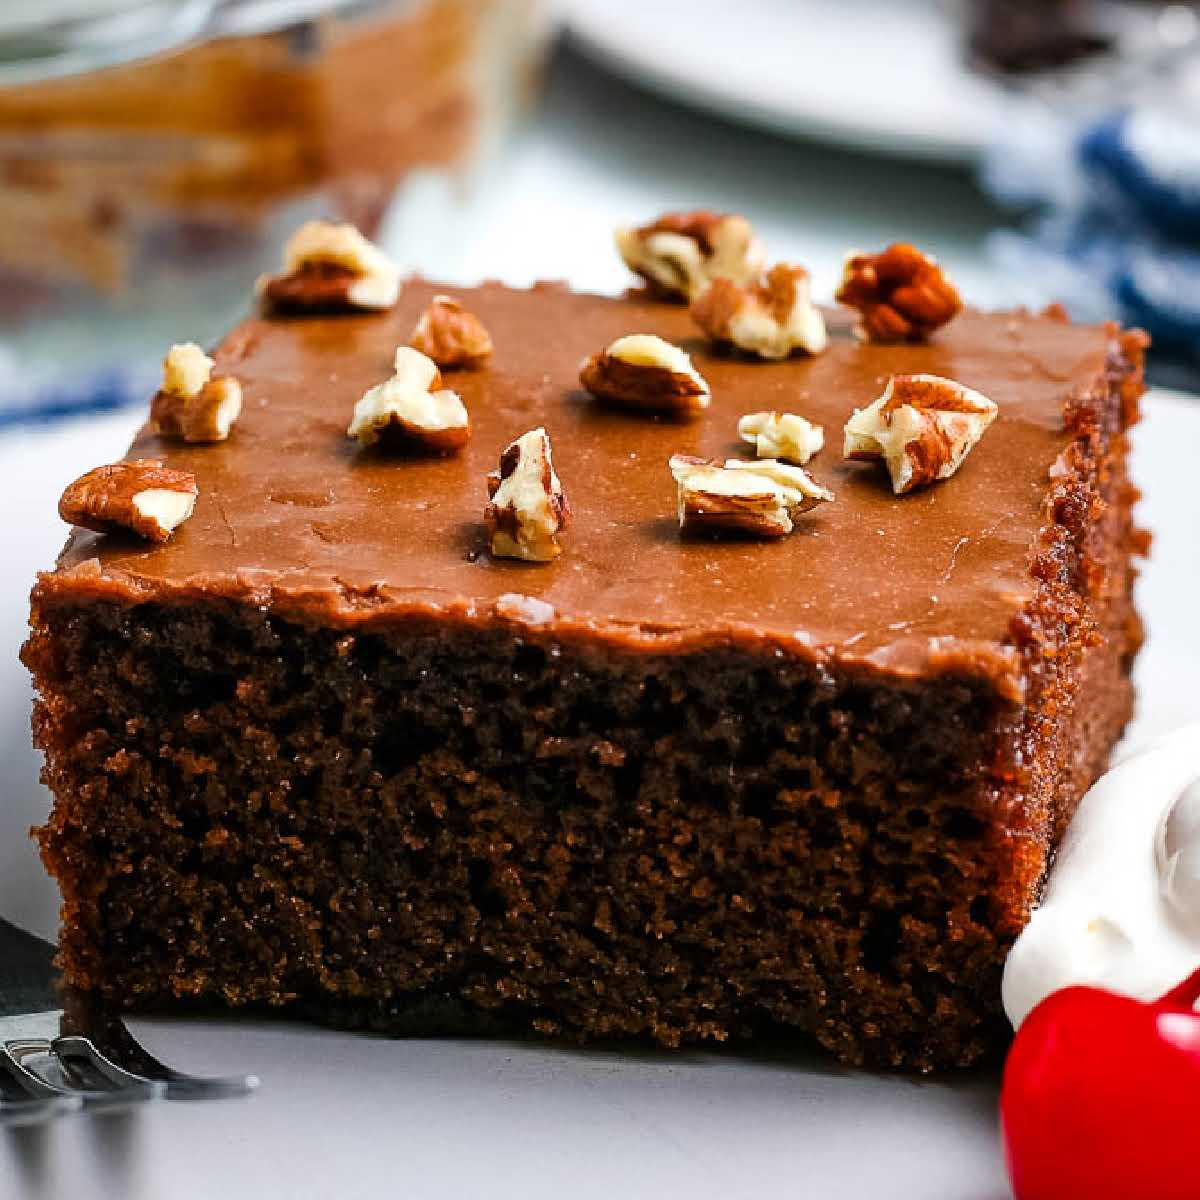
(784, 436)
(758, 499)
(193, 405)
(922, 428)
(141, 497)
(902, 294)
(769, 317)
(450, 335)
(330, 268)
(679, 254)
(528, 509)
(411, 409)
(642, 371)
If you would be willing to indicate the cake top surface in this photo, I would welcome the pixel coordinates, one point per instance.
(295, 516)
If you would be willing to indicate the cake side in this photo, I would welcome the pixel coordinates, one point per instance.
(1080, 634)
(678, 847)
(375, 807)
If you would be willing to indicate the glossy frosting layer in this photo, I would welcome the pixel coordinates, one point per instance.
(293, 515)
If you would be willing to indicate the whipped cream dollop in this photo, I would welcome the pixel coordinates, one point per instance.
(1121, 908)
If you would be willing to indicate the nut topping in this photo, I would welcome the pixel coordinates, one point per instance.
(769, 317)
(450, 335)
(758, 499)
(330, 268)
(922, 428)
(411, 408)
(142, 497)
(186, 369)
(680, 253)
(645, 372)
(528, 510)
(192, 404)
(903, 295)
(781, 435)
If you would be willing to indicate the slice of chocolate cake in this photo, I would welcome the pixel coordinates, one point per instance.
(322, 748)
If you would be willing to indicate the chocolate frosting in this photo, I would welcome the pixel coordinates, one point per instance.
(294, 516)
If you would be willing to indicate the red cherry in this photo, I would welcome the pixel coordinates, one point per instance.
(1100, 1097)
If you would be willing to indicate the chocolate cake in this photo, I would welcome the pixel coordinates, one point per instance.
(320, 749)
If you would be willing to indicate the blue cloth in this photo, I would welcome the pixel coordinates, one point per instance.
(1116, 230)
(1143, 166)
(23, 400)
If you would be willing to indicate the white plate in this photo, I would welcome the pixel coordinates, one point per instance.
(883, 75)
(345, 1116)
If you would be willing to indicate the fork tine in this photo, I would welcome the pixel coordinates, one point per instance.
(74, 1048)
(11, 1054)
(12, 1059)
(175, 1085)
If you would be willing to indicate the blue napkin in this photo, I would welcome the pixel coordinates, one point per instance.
(24, 398)
(1116, 226)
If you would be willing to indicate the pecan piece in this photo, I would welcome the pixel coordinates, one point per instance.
(769, 317)
(642, 371)
(679, 254)
(411, 409)
(142, 497)
(193, 405)
(330, 268)
(902, 294)
(450, 335)
(784, 436)
(528, 509)
(922, 428)
(757, 499)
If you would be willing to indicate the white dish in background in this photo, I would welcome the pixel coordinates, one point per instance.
(882, 75)
(346, 1116)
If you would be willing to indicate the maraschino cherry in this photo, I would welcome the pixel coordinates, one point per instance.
(1101, 1097)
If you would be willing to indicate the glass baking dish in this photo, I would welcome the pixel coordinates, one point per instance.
(155, 153)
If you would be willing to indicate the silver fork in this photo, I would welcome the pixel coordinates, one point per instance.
(56, 1061)
(46, 1073)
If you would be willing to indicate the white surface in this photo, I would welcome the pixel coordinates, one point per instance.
(344, 1116)
(1119, 908)
(885, 75)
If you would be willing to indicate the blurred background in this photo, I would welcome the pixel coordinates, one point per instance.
(154, 154)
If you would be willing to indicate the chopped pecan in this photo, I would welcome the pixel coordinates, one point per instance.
(769, 317)
(142, 497)
(680, 253)
(758, 499)
(193, 404)
(186, 369)
(411, 409)
(527, 510)
(330, 268)
(922, 428)
(902, 294)
(450, 335)
(781, 435)
(642, 371)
